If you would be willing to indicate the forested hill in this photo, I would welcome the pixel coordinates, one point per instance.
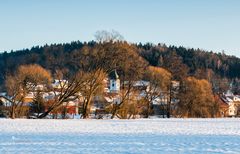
(178, 60)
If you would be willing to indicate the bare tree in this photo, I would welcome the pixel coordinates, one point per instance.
(104, 36)
(130, 106)
(159, 84)
(66, 90)
(196, 99)
(21, 83)
(93, 84)
(130, 67)
(84, 85)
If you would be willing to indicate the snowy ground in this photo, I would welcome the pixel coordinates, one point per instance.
(120, 136)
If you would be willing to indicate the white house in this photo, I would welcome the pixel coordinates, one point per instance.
(233, 102)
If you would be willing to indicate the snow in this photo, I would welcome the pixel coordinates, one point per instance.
(120, 136)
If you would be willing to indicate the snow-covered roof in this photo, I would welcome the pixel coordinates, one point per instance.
(141, 83)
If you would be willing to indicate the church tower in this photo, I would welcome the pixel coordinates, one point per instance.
(114, 82)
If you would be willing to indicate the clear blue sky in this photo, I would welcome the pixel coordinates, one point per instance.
(206, 24)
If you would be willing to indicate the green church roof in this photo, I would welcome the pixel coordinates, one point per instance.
(114, 75)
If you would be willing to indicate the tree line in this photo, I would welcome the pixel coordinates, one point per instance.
(195, 62)
(83, 67)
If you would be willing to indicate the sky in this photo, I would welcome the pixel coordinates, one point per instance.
(206, 24)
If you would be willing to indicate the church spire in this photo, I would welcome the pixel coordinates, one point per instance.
(113, 75)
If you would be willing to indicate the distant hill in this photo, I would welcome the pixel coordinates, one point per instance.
(178, 60)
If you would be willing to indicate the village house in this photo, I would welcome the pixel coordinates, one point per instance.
(233, 102)
(223, 107)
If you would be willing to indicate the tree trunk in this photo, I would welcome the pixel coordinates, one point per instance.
(86, 108)
(114, 111)
(148, 108)
(13, 116)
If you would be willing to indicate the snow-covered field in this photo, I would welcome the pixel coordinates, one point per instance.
(120, 136)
